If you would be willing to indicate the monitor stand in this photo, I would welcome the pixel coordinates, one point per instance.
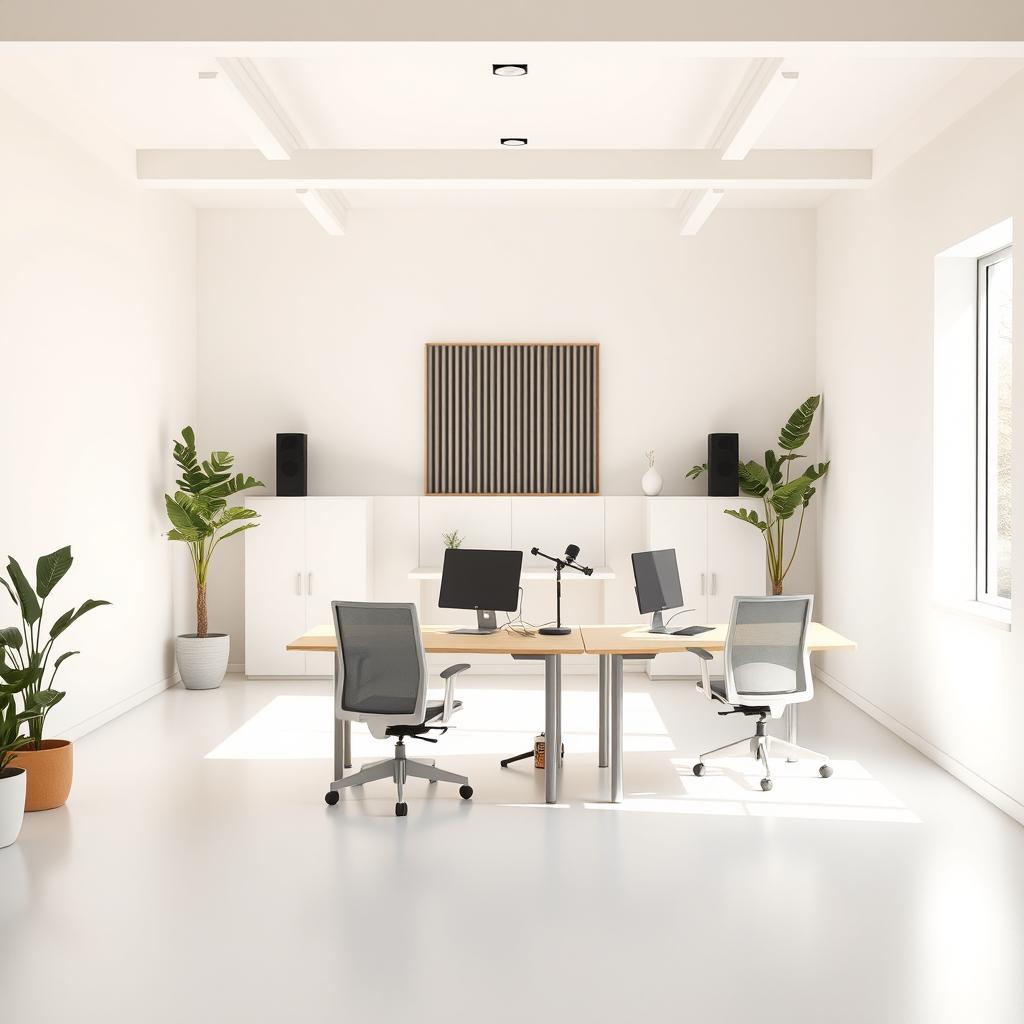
(486, 622)
(657, 624)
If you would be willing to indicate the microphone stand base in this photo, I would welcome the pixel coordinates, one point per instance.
(554, 631)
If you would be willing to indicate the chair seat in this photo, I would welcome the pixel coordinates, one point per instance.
(436, 710)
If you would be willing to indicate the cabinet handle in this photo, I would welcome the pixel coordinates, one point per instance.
(702, 583)
(298, 584)
(309, 584)
(714, 583)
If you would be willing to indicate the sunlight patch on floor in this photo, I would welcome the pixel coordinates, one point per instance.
(493, 722)
(732, 786)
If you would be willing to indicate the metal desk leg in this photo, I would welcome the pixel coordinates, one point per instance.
(342, 733)
(604, 700)
(616, 729)
(791, 728)
(552, 725)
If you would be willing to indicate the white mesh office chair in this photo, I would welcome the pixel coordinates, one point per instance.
(767, 668)
(382, 680)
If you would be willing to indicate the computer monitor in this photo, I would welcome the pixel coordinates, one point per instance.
(482, 580)
(656, 574)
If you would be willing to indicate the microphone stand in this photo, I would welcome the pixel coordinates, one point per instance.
(558, 629)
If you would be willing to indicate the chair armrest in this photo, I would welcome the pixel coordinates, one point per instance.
(703, 657)
(449, 675)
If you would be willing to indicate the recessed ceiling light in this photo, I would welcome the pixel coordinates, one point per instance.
(513, 142)
(508, 70)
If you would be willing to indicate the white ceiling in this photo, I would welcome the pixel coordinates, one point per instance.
(443, 96)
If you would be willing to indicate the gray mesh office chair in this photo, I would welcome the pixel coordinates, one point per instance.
(382, 680)
(767, 668)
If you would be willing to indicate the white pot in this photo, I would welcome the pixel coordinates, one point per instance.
(202, 660)
(651, 482)
(12, 804)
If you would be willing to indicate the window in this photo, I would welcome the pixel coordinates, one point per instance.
(995, 426)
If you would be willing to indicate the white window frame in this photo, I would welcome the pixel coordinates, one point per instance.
(987, 482)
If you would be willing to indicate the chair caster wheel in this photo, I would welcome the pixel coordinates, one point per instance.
(766, 784)
(401, 810)
(465, 792)
(698, 769)
(331, 797)
(825, 771)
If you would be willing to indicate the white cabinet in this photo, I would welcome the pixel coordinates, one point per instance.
(719, 558)
(306, 553)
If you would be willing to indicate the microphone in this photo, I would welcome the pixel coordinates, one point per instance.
(571, 553)
(534, 551)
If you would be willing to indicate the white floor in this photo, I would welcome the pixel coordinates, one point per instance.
(197, 875)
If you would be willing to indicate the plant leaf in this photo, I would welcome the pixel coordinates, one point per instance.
(753, 479)
(747, 516)
(11, 636)
(774, 468)
(7, 587)
(43, 700)
(789, 497)
(798, 427)
(237, 529)
(64, 657)
(51, 569)
(696, 471)
(26, 595)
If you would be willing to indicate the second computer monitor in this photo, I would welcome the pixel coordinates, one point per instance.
(656, 574)
(483, 581)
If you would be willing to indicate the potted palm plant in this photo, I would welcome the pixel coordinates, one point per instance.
(201, 518)
(782, 495)
(25, 654)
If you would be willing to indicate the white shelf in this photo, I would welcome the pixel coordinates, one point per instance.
(430, 572)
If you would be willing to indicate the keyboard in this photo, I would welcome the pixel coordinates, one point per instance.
(692, 630)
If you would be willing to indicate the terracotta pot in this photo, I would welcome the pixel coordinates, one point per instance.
(49, 772)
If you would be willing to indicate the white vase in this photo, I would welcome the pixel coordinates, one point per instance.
(12, 804)
(202, 660)
(651, 482)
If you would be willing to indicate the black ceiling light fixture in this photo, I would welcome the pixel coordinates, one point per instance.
(509, 70)
(513, 142)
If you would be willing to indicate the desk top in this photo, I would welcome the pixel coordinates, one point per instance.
(635, 639)
(632, 639)
(441, 640)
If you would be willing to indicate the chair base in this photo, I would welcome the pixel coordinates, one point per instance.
(761, 746)
(399, 768)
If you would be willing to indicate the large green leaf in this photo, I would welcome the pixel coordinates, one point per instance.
(43, 700)
(753, 479)
(65, 620)
(798, 427)
(237, 529)
(747, 516)
(26, 595)
(185, 517)
(7, 587)
(11, 636)
(696, 471)
(51, 569)
(233, 514)
(789, 497)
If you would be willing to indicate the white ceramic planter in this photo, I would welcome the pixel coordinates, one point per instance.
(12, 804)
(202, 660)
(651, 482)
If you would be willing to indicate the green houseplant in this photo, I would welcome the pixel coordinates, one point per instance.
(25, 659)
(452, 540)
(782, 495)
(201, 518)
(12, 778)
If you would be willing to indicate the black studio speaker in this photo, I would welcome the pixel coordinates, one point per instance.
(723, 465)
(291, 465)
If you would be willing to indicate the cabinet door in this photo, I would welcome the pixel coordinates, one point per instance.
(337, 563)
(275, 597)
(681, 523)
(736, 558)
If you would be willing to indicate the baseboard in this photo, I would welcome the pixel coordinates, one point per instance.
(236, 667)
(993, 794)
(87, 725)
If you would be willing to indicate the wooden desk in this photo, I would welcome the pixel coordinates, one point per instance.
(441, 640)
(615, 644)
(612, 645)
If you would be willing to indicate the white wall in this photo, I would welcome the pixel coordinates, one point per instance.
(97, 331)
(300, 331)
(951, 683)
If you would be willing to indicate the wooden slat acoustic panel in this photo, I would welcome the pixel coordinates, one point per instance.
(512, 419)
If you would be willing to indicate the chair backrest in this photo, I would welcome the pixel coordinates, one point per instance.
(766, 657)
(382, 671)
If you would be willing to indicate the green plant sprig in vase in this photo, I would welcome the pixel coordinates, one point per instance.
(781, 494)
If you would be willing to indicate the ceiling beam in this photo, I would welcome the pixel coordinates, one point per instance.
(328, 209)
(504, 169)
(695, 209)
(265, 120)
(743, 25)
(764, 89)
